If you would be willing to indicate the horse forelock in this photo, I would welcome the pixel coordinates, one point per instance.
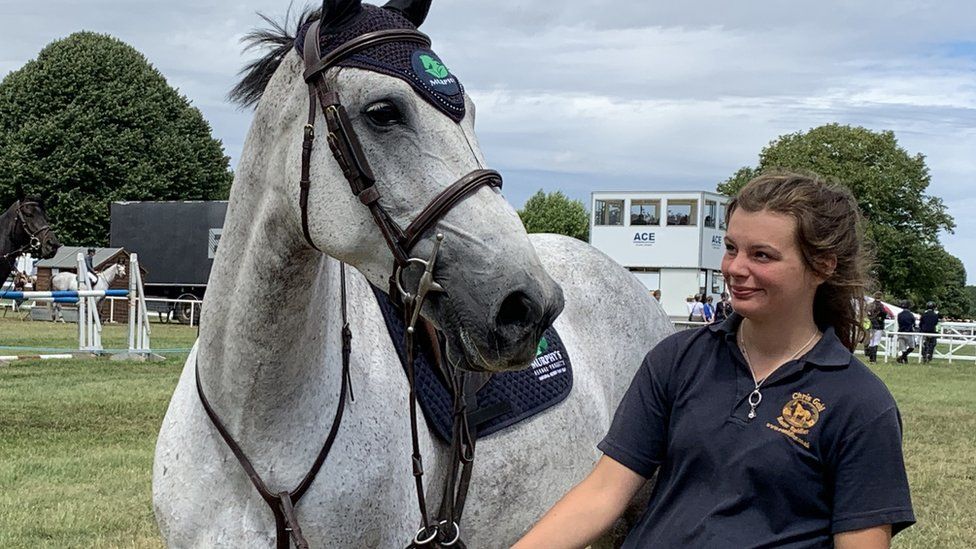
(35, 198)
(398, 59)
(277, 40)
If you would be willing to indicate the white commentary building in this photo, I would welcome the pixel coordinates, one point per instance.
(672, 240)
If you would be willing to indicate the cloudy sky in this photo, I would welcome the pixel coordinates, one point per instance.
(586, 95)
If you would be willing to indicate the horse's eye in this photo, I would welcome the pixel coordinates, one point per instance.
(383, 114)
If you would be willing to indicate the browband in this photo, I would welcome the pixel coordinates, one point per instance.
(353, 46)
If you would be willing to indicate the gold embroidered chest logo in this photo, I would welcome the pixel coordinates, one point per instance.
(800, 414)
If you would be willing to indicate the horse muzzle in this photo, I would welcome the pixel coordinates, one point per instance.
(507, 340)
(49, 247)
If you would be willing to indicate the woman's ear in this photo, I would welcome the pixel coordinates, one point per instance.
(826, 266)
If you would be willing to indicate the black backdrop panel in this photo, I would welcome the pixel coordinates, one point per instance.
(174, 240)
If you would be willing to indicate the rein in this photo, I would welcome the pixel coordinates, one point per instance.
(442, 530)
(283, 503)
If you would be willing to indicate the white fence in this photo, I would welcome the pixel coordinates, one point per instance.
(956, 341)
(168, 309)
(89, 322)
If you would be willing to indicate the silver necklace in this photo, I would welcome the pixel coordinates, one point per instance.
(755, 397)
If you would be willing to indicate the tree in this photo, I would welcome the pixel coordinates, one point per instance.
(903, 223)
(951, 297)
(91, 121)
(971, 313)
(555, 213)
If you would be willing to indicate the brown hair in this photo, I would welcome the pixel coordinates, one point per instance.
(828, 224)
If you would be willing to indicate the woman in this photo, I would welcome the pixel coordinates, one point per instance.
(764, 430)
(697, 309)
(876, 320)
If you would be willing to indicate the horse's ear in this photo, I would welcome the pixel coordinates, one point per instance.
(338, 12)
(19, 192)
(414, 10)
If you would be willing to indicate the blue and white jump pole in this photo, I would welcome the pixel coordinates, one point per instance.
(89, 324)
(63, 296)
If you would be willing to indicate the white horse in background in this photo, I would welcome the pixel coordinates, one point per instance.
(272, 373)
(69, 281)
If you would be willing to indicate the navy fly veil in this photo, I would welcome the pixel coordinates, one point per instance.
(409, 61)
(506, 399)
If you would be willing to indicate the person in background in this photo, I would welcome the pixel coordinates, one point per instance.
(906, 326)
(656, 294)
(929, 324)
(764, 430)
(698, 309)
(89, 264)
(709, 310)
(690, 303)
(723, 309)
(876, 318)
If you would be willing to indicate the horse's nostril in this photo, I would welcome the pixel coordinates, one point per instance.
(517, 309)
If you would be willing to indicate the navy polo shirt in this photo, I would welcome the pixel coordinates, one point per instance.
(822, 456)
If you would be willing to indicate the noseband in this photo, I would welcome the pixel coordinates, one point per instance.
(442, 530)
(348, 152)
(33, 238)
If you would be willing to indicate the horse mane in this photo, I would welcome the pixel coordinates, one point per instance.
(278, 41)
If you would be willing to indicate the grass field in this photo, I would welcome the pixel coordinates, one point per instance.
(77, 436)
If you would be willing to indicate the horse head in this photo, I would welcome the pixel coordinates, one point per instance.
(113, 272)
(32, 226)
(415, 126)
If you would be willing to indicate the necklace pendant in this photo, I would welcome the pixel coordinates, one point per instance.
(755, 397)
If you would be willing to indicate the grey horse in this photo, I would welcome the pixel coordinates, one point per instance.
(268, 352)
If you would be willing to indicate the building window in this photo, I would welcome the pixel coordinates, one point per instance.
(645, 212)
(710, 213)
(718, 282)
(682, 212)
(702, 282)
(721, 216)
(608, 212)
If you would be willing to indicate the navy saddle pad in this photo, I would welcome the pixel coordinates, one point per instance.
(506, 399)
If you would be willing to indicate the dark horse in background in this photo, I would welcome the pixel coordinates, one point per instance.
(24, 229)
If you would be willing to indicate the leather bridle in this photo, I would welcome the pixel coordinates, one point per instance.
(33, 237)
(442, 530)
(348, 152)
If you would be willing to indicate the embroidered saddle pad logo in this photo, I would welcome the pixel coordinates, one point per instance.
(542, 347)
(505, 400)
(799, 415)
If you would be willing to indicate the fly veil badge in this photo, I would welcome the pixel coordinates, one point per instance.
(370, 38)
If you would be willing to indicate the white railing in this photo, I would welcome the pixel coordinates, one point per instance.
(960, 347)
(685, 324)
(956, 341)
(194, 304)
